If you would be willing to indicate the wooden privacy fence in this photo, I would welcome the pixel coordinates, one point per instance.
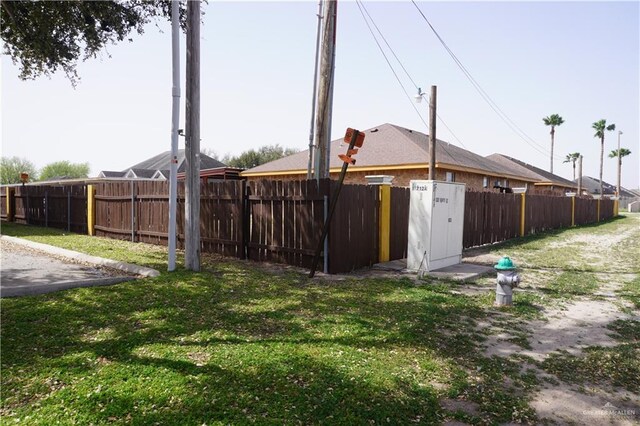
(281, 221)
(261, 220)
(55, 206)
(139, 211)
(490, 218)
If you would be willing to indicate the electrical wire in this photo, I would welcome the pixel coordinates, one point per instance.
(361, 7)
(403, 67)
(485, 96)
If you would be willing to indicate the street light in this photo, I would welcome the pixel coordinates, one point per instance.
(432, 129)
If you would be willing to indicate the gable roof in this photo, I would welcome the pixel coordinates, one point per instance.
(111, 174)
(529, 171)
(592, 185)
(387, 146)
(162, 161)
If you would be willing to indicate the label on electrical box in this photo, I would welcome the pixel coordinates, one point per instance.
(419, 187)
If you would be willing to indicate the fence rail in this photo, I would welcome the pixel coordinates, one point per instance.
(281, 221)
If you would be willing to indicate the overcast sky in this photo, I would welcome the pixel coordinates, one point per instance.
(577, 59)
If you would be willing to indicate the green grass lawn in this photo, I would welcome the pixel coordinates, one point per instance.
(237, 344)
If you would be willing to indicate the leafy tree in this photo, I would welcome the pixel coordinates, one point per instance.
(64, 170)
(572, 158)
(601, 127)
(253, 158)
(10, 169)
(209, 152)
(614, 154)
(45, 36)
(553, 120)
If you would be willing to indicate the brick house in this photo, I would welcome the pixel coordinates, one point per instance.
(544, 182)
(403, 153)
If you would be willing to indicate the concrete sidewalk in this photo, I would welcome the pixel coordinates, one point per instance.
(30, 268)
(460, 272)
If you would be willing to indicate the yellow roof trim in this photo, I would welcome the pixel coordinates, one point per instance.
(412, 166)
(554, 184)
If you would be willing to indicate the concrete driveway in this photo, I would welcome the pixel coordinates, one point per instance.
(26, 272)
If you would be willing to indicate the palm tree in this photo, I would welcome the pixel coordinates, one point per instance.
(601, 127)
(572, 158)
(553, 120)
(614, 154)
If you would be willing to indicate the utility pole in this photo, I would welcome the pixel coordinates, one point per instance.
(619, 165)
(580, 175)
(175, 123)
(315, 91)
(192, 140)
(432, 133)
(323, 111)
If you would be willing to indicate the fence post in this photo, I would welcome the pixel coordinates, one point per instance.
(241, 229)
(91, 210)
(46, 208)
(598, 210)
(523, 204)
(385, 223)
(26, 215)
(383, 182)
(133, 212)
(68, 209)
(616, 206)
(573, 211)
(10, 202)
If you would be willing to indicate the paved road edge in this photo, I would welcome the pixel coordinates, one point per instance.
(81, 257)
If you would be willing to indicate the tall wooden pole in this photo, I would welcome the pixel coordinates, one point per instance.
(323, 111)
(432, 133)
(192, 140)
(580, 176)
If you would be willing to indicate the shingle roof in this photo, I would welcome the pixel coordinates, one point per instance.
(388, 145)
(112, 174)
(520, 168)
(592, 185)
(143, 173)
(163, 162)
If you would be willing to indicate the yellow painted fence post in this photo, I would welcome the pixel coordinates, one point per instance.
(573, 210)
(523, 205)
(616, 207)
(10, 203)
(91, 210)
(383, 182)
(598, 209)
(384, 238)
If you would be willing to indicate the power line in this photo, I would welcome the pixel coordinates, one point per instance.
(361, 7)
(485, 96)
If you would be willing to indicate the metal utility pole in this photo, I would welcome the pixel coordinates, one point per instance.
(580, 176)
(315, 91)
(619, 165)
(175, 123)
(432, 133)
(192, 140)
(323, 111)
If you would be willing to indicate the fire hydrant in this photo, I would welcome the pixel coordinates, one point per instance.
(507, 279)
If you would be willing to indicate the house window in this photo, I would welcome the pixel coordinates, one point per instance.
(450, 177)
(485, 182)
